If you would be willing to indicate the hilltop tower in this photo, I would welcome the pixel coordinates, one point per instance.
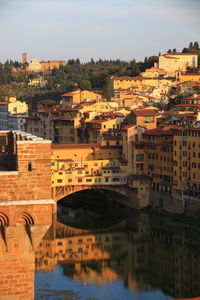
(24, 58)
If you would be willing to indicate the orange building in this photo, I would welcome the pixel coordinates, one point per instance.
(145, 117)
(78, 96)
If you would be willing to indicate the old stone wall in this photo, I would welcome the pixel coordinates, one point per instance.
(33, 177)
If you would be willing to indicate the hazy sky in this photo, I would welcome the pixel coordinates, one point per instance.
(125, 29)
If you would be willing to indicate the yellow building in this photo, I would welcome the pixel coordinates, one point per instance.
(184, 77)
(153, 156)
(141, 84)
(89, 172)
(84, 152)
(34, 66)
(95, 128)
(78, 96)
(186, 163)
(153, 72)
(173, 62)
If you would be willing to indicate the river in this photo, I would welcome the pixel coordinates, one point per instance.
(96, 256)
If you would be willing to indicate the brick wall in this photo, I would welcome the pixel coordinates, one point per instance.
(31, 181)
(28, 185)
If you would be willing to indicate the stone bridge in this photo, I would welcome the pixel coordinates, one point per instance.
(132, 196)
(26, 210)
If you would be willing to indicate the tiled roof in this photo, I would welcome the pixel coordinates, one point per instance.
(63, 119)
(158, 131)
(4, 103)
(97, 121)
(146, 112)
(74, 146)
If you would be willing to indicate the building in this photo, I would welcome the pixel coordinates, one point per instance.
(37, 82)
(37, 66)
(12, 112)
(173, 62)
(34, 66)
(186, 164)
(143, 117)
(40, 123)
(185, 77)
(95, 128)
(153, 72)
(78, 96)
(24, 58)
(52, 64)
(141, 84)
(17, 122)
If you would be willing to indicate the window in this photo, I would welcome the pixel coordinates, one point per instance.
(88, 180)
(29, 166)
(79, 179)
(59, 181)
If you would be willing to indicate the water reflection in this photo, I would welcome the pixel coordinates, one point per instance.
(140, 257)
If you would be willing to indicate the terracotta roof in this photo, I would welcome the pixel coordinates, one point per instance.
(128, 126)
(4, 103)
(70, 93)
(146, 112)
(49, 110)
(74, 146)
(158, 131)
(179, 53)
(63, 119)
(192, 98)
(97, 121)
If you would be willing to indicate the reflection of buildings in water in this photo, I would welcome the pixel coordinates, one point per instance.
(101, 274)
(144, 259)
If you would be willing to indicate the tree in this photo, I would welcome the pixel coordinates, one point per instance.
(191, 46)
(85, 85)
(134, 68)
(169, 51)
(196, 45)
(107, 89)
(174, 50)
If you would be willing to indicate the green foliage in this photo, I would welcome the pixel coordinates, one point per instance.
(85, 85)
(107, 89)
(193, 48)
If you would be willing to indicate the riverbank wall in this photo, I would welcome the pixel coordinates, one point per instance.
(165, 202)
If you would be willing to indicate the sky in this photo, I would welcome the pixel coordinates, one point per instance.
(85, 29)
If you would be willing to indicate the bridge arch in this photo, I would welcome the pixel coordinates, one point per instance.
(4, 221)
(65, 191)
(24, 218)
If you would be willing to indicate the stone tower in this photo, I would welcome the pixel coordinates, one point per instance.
(24, 58)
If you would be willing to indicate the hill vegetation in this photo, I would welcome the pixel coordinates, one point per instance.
(90, 75)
